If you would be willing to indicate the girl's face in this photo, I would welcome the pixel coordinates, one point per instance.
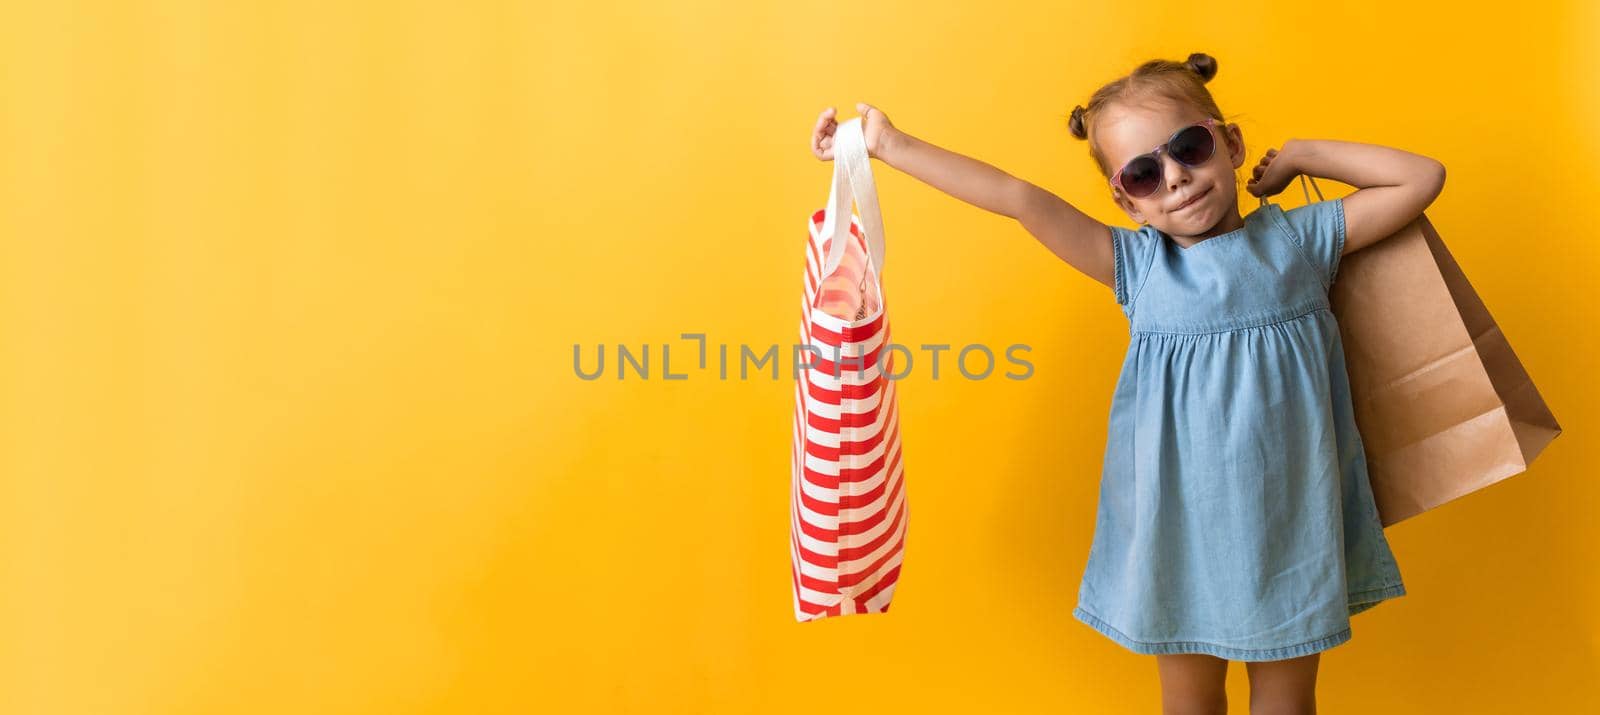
(1125, 132)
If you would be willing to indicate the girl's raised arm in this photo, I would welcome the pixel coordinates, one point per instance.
(1075, 237)
(1393, 186)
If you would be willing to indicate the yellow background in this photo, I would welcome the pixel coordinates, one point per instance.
(290, 293)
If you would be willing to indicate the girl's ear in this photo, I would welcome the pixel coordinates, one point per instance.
(1236, 151)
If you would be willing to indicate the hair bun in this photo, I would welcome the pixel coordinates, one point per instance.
(1203, 64)
(1075, 123)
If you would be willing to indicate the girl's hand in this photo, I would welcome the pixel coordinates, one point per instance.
(1271, 175)
(874, 125)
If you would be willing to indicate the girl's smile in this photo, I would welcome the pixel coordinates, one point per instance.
(1192, 201)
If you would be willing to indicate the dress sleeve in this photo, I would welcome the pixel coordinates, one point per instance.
(1131, 252)
(1318, 230)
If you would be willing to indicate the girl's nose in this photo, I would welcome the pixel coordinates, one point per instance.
(1175, 173)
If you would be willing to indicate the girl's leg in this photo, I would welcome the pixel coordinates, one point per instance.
(1284, 687)
(1193, 684)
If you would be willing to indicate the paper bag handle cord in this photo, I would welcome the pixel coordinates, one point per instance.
(1303, 179)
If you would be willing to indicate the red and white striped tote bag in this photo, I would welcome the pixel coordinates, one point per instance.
(848, 511)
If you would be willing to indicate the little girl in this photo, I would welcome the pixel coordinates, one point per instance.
(1235, 520)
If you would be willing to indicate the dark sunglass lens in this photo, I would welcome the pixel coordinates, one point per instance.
(1192, 146)
(1141, 177)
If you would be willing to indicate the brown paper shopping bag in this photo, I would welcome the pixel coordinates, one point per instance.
(1443, 405)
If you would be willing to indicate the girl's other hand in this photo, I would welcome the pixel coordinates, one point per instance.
(875, 126)
(1271, 175)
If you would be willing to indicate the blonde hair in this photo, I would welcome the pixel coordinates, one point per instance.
(1183, 82)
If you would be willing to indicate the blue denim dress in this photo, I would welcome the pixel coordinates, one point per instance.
(1235, 515)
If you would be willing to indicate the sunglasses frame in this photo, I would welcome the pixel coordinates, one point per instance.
(1209, 123)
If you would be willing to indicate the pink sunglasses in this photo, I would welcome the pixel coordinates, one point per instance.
(1191, 146)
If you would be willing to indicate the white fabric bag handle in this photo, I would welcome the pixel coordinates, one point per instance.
(852, 178)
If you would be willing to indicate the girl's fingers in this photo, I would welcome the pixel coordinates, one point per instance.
(821, 135)
(824, 119)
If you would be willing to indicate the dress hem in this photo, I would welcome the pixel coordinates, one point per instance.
(1373, 597)
(1369, 598)
(1202, 647)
